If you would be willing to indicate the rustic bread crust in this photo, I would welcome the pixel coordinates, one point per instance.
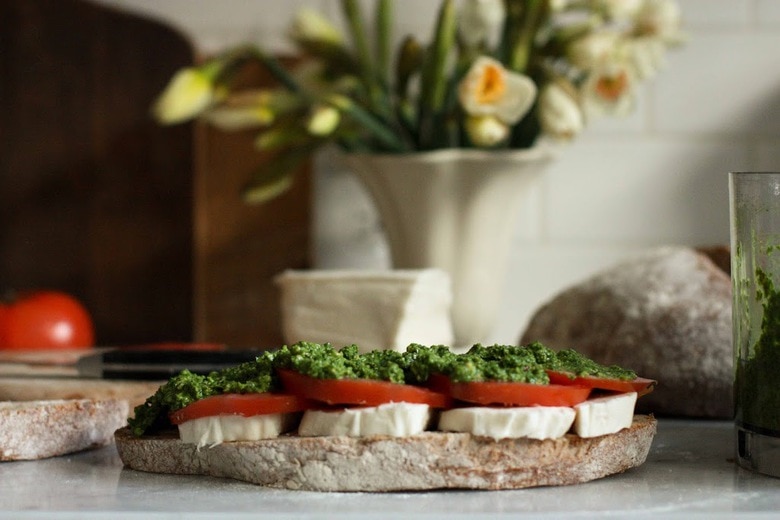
(52, 389)
(40, 429)
(431, 460)
(665, 313)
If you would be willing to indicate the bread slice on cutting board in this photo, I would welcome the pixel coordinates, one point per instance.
(39, 429)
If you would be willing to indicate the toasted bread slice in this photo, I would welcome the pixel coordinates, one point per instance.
(39, 429)
(431, 460)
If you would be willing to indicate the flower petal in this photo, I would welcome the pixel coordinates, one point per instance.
(560, 114)
(520, 95)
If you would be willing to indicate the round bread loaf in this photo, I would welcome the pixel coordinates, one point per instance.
(665, 314)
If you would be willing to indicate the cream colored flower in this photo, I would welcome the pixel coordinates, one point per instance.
(189, 92)
(560, 114)
(311, 27)
(594, 48)
(488, 89)
(610, 89)
(647, 55)
(621, 9)
(486, 131)
(556, 6)
(662, 19)
(481, 21)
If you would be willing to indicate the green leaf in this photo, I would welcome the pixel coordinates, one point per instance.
(276, 176)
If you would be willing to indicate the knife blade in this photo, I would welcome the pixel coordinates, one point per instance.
(157, 364)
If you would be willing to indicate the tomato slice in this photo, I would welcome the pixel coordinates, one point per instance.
(518, 394)
(363, 392)
(247, 405)
(640, 385)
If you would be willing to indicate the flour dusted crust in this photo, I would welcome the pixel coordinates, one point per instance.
(431, 460)
(666, 314)
(49, 389)
(40, 429)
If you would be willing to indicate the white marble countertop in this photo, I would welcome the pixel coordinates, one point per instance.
(690, 473)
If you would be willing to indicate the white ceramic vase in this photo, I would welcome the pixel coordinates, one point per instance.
(455, 209)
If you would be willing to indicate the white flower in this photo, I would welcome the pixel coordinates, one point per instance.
(488, 89)
(647, 55)
(593, 49)
(610, 89)
(556, 6)
(481, 21)
(189, 92)
(310, 26)
(621, 9)
(486, 131)
(662, 19)
(560, 114)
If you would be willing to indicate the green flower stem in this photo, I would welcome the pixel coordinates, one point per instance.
(433, 81)
(524, 17)
(244, 53)
(355, 21)
(433, 72)
(384, 15)
(381, 132)
(409, 61)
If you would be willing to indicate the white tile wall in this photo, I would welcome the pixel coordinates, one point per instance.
(656, 177)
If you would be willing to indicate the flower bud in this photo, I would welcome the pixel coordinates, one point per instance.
(323, 121)
(486, 131)
(481, 21)
(560, 114)
(310, 27)
(189, 92)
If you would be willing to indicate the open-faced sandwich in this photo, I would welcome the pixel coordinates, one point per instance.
(309, 416)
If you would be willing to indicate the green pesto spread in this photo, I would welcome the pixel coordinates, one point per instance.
(184, 388)
(326, 362)
(756, 382)
(505, 363)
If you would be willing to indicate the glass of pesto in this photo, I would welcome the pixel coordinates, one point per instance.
(755, 271)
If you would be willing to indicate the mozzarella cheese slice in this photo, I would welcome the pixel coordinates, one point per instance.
(535, 422)
(604, 415)
(393, 419)
(213, 430)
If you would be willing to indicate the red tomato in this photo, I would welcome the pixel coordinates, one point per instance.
(45, 320)
(363, 392)
(246, 405)
(518, 394)
(639, 385)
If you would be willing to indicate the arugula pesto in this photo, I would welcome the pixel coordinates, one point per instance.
(756, 390)
(503, 363)
(326, 362)
(573, 362)
(184, 388)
